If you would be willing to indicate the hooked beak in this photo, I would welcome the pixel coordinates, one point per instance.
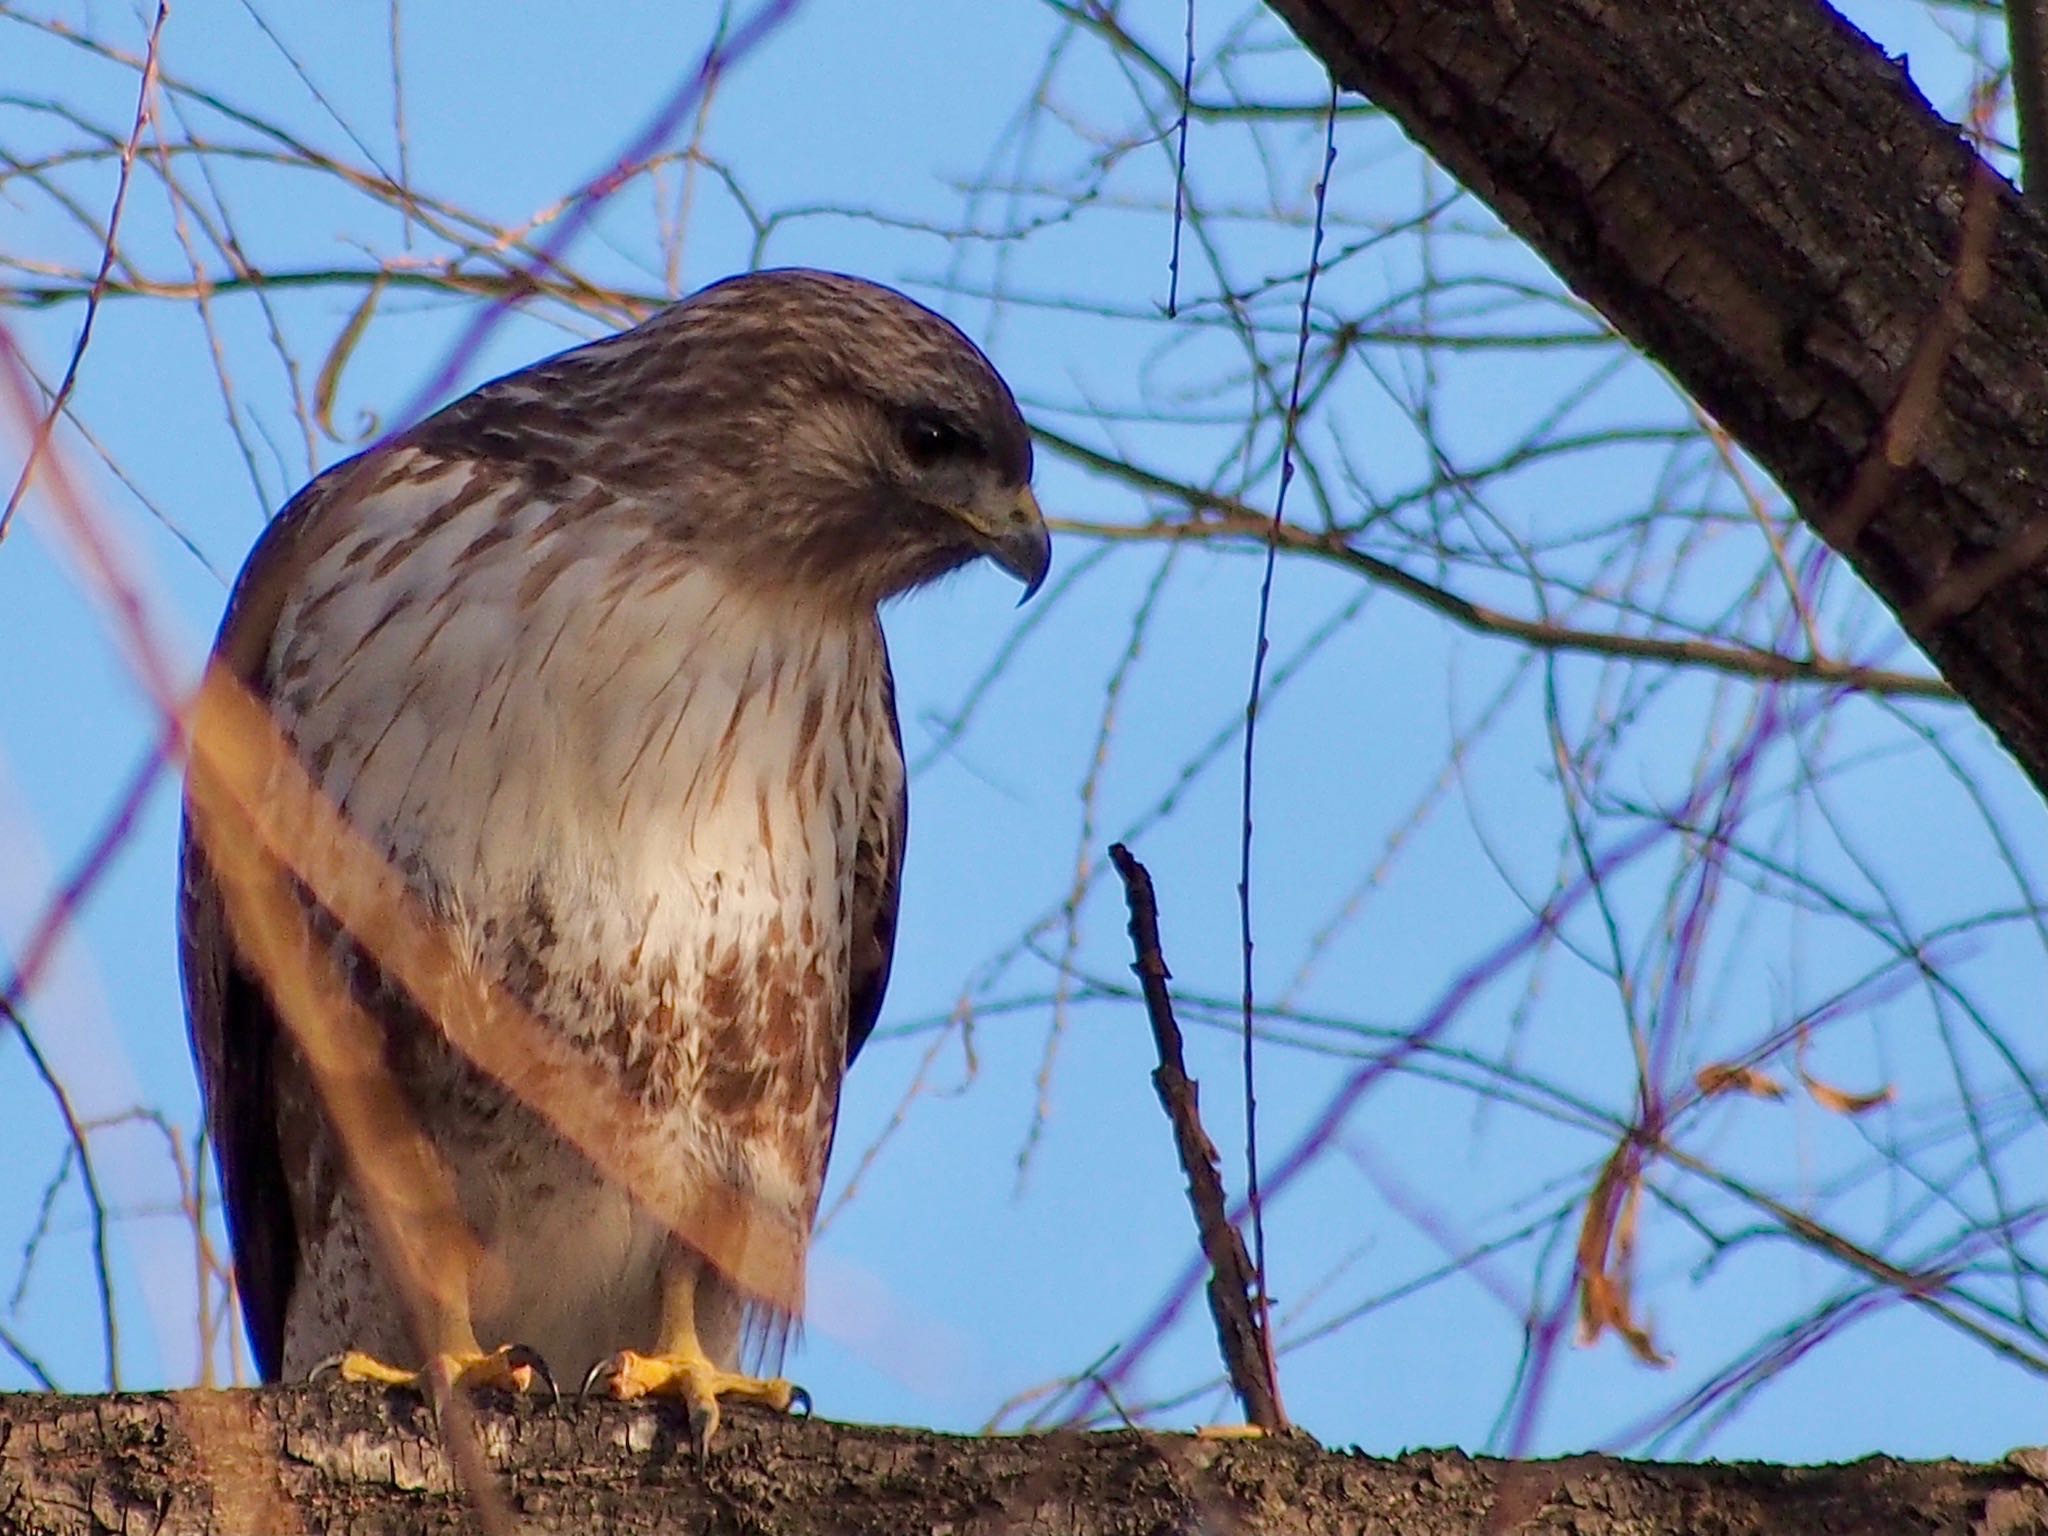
(1019, 543)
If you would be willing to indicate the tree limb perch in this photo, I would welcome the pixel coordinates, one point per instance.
(335, 1458)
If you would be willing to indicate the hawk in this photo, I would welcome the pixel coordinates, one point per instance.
(592, 658)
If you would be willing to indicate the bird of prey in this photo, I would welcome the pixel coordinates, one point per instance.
(592, 658)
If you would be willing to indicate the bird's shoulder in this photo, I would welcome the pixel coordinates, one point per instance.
(327, 510)
(355, 529)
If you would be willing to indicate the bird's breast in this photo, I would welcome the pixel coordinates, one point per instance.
(632, 786)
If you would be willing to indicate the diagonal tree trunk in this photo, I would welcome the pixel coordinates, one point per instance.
(1759, 198)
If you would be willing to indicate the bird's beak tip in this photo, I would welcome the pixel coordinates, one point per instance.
(1034, 576)
(1024, 548)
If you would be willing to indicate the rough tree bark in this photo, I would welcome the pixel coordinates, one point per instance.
(370, 1462)
(1759, 198)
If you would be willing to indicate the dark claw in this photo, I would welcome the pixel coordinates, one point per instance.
(799, 1402)
(526, 1355)
(601, 1369)
(435, 1392)
(322, 1367)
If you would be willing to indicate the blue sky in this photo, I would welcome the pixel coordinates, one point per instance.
(1024, 1220)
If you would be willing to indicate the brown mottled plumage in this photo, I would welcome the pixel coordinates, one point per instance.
(591, 656)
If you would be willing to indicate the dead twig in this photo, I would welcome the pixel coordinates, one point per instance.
(1247, 1353)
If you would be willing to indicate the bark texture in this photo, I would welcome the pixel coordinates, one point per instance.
(337, 1458)
(1759, 198)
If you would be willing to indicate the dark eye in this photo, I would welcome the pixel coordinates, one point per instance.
(928, 439)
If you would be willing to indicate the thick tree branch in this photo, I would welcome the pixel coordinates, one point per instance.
(342, 1458)
(1758, 197)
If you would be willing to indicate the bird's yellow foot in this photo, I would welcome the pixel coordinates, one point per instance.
(511, 1368)
(697, 1382)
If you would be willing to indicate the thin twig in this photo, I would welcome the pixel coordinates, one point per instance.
(1231, 520)
(1290, 426)
(1180, 168)
(95, 1198)
(725, 51)
(108, 254)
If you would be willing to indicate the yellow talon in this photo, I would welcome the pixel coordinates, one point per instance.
(512, 1368)
(694, 1380)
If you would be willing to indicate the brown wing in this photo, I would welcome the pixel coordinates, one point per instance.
(234, 1044)
(877, 879)
(235, 1034)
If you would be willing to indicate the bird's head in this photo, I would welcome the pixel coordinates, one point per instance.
(814, 430)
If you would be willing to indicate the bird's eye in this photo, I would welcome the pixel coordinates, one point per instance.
(928, 439)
